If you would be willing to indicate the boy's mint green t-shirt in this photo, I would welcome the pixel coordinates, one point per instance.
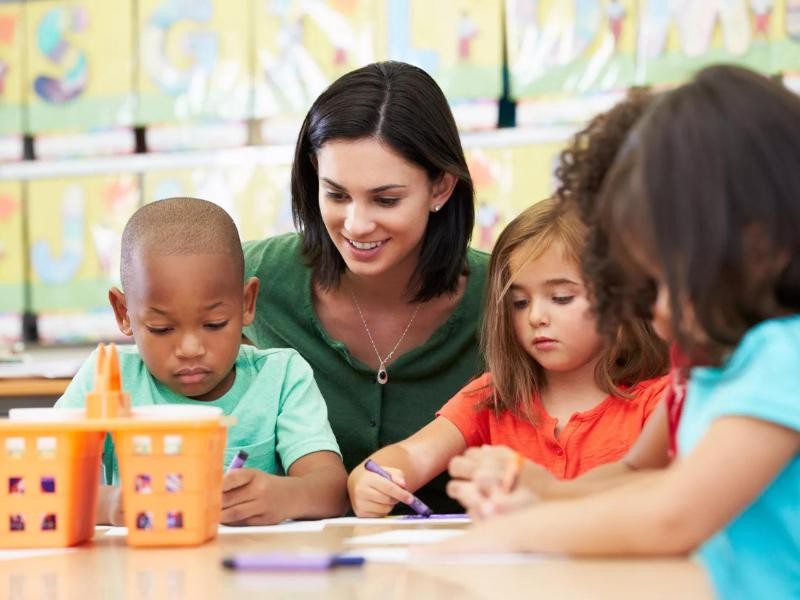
(280, 413)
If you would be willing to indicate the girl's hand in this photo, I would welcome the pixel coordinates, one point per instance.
(485, 466)
(374, 496)
(492, 468)
(252, 497)
(481, 504)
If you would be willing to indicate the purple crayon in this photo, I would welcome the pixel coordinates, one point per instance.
(416, 504)
(279, 561)
(238, 461)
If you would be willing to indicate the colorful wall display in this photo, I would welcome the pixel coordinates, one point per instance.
(257, 197)
(11, 76)
(588, 46)
(570, 46)
(194, 60)
(80, 64)
(74, 227)
(302, 46)
(508, 180)
(458, 42)
(12, 260)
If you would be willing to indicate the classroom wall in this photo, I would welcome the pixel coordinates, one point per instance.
(203, 83)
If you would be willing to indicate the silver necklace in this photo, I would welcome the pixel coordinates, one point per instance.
(383, 376)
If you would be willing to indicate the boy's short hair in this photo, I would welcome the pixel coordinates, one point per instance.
(176, 226)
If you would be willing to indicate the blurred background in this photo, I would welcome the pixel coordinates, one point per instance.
(106, 104)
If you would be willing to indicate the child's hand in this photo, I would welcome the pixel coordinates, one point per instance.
(482, 504)
(486, 466)
(252, 497)
(374, 496)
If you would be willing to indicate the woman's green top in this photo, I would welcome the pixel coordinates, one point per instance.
(365, 415)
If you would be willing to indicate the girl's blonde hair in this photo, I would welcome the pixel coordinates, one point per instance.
(634, 355)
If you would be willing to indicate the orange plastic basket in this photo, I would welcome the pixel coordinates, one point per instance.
(171, 476)
(170, 461)
(49, 473)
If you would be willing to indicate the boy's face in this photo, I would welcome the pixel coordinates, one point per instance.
(186, 314)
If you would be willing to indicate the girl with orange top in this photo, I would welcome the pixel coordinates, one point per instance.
(556, 392)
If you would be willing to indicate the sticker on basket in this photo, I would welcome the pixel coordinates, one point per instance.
(49, 522)
(142, 484)
(15, 447)
(173, 444)
(16, 485)
(48, 485)
(144, 520)
(142, 445)
(174, 519)
(16, 522)
(46, 447)
(174, 482)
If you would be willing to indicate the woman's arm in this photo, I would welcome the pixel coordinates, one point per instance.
(412, 463)
(670, 511)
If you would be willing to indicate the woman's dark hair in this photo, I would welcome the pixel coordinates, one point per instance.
(582, 169)
(404, 108)
(706, 193)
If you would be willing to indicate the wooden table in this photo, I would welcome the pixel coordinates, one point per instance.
(108, 568)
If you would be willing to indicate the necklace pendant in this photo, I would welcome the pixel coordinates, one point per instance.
(383, 376)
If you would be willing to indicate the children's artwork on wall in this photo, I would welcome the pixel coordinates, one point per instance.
(193, 60)
(74, 228)
(11, 47)
(570, 46)
(459, 43)
(12, 259)
(79, 72)
(301, 47)
(507, 181)
(678, 37)
(256, 197)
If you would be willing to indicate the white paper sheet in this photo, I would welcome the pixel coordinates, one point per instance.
(398, 520)
(286, 527)
(405, 537)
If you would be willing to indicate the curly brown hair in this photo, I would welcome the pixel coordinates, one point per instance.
(582, 169)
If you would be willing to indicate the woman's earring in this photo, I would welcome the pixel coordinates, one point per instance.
(437, 207)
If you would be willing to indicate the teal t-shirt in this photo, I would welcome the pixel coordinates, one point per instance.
(280, 414)
(757, 554)
(365, 415)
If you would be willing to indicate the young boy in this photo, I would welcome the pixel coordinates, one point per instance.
(185, 303)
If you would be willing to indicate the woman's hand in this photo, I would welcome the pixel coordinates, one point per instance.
(374, 496)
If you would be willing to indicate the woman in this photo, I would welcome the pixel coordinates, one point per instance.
(379, 291)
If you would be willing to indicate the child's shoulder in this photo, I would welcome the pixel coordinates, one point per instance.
(772, 345)
(273, 359)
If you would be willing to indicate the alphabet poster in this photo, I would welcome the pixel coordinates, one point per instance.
(459, 43)
(507, 181)
(570, 46)
(74, 229)
(193, 60)
(257, 198)
(11, 45)
(80, 64)
(12, 260)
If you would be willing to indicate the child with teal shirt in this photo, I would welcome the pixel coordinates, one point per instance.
(185, 305)
(703, 201)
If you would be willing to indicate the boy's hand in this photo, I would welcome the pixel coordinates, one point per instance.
(252, 497)
(486, 466)
(374, 496)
